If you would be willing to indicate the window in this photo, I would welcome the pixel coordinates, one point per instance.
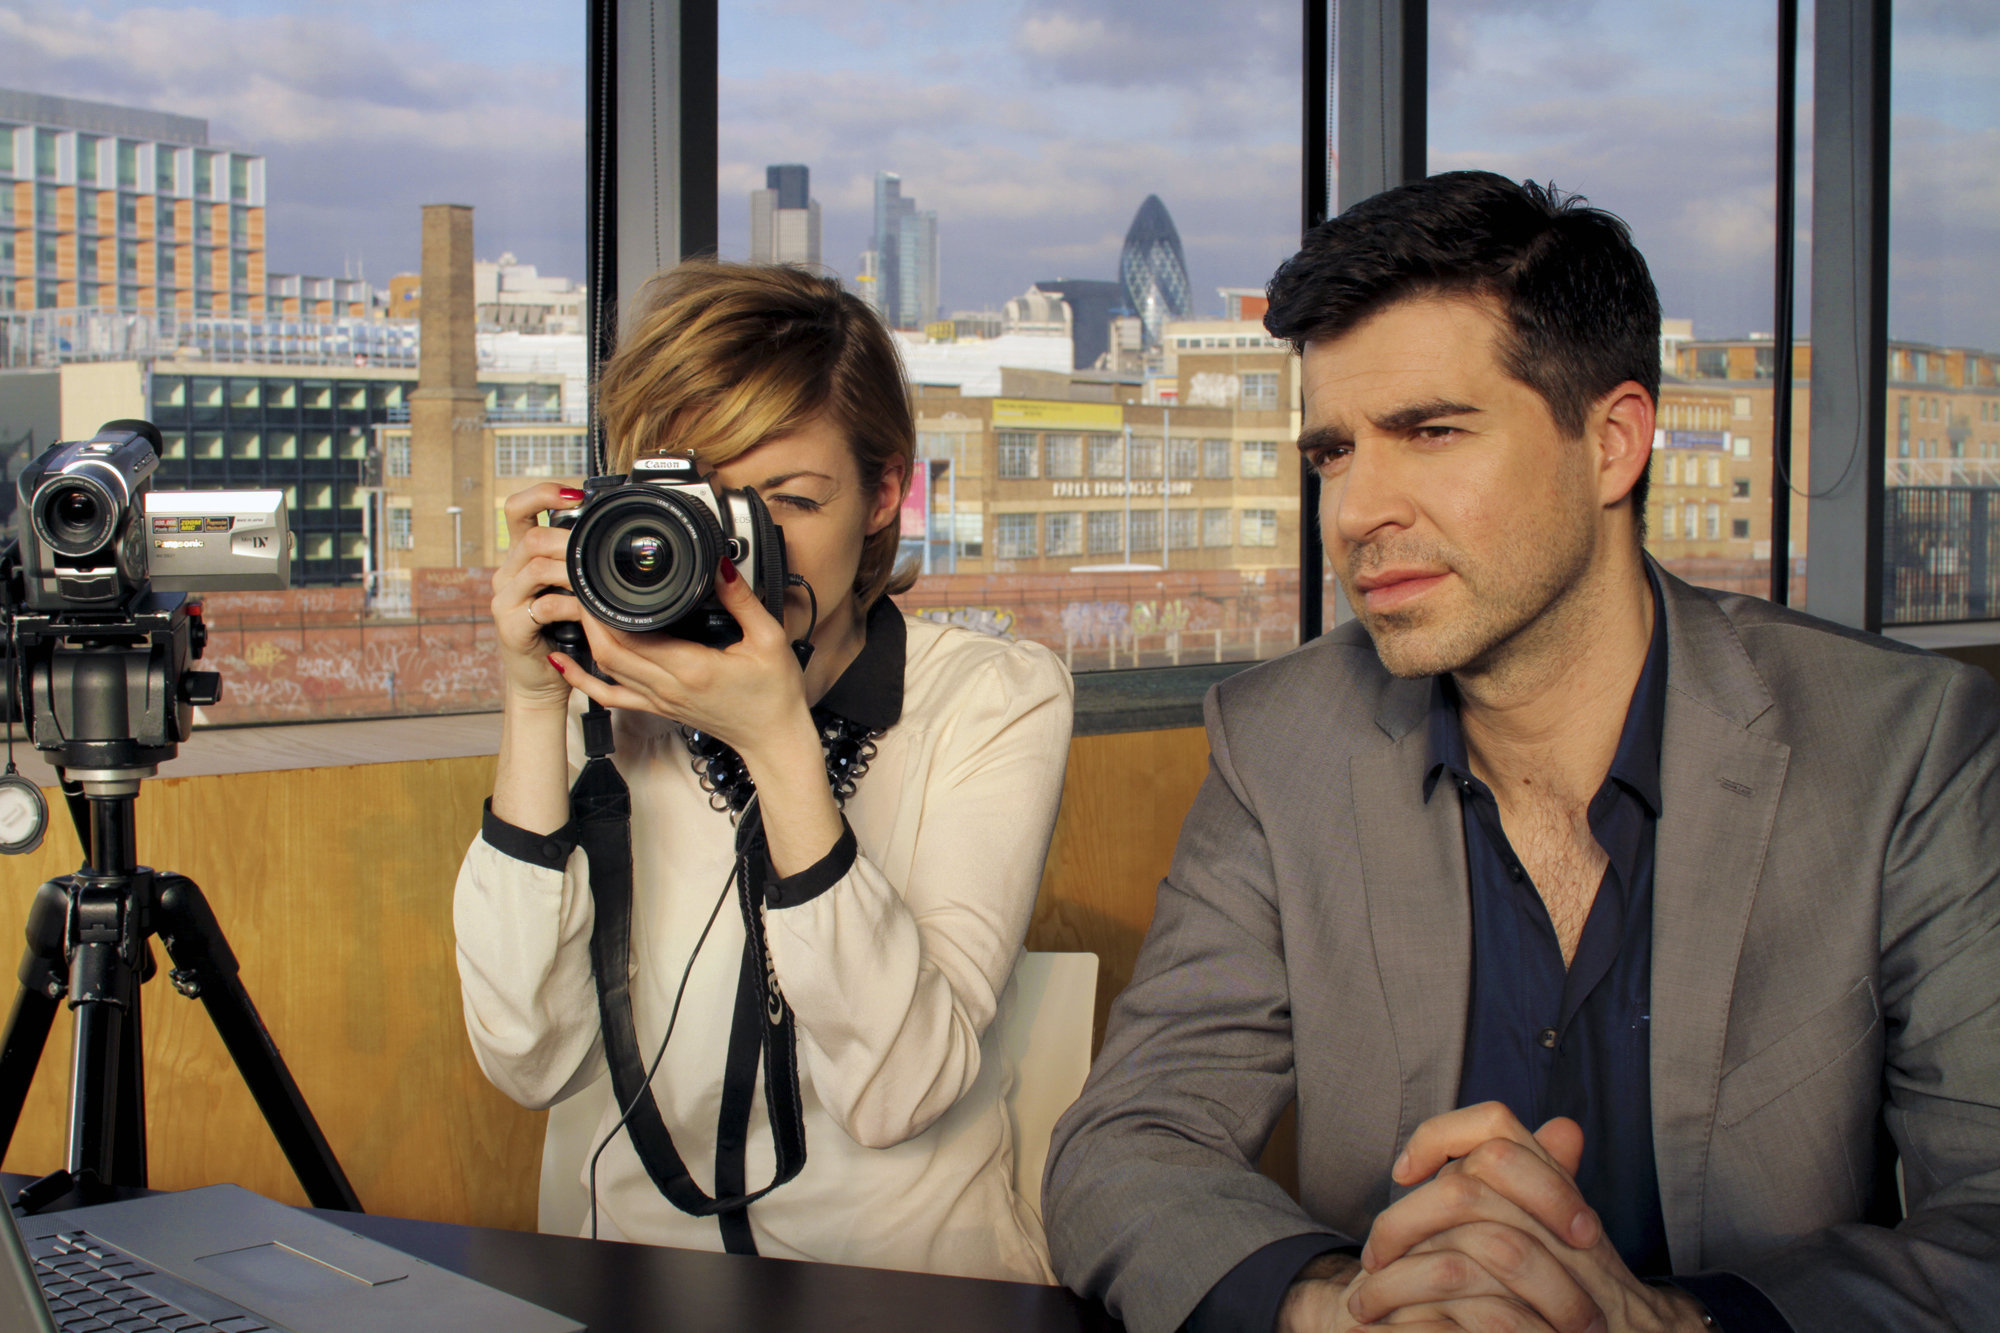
(1062, 534)
(1014, 536)
(1107, 533)
(1669, 521)
(1711, 521)
(1181, 525)
(1739, 528)
(1064, 455)
(1740, 489)
(397, 448)
(1145, 530)
(1742, 407)
(128, 165)
(1183, 457)
(45, 153)
(6, 150)
(1107, 456)
(1215, 527)
(86, 157)
(534, 455)
(1260, 459)
(1017, 454)
(1215, 460)
(401, 535)
(1145, 457)
(204, 175)
(1692, 521)
(164, 173)
(1713, 469)
(1260, 527)
(1260, 391)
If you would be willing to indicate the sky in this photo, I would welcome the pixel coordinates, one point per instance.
(1036, 128)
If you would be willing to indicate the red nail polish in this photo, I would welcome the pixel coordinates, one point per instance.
(729, 574)
(554, 663)
(572, 495)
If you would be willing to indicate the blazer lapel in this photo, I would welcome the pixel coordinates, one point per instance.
(1413, 871)
(1719, 789)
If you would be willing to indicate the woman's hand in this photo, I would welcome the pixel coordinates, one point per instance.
(748, 695)
(522, 598)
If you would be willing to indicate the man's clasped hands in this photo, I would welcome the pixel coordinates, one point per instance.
(1494, 1235)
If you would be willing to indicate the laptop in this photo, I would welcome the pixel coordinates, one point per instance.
(225, 1259)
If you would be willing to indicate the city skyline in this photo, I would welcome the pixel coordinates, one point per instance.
(1037, 127)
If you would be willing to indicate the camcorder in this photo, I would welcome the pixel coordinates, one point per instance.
(644, 549)
(94, 577)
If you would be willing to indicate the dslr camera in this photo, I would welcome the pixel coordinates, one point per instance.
(644, 549)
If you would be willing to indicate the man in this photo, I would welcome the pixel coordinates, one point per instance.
(1699, 890)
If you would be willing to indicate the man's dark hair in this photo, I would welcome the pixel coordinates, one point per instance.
(1583, 316)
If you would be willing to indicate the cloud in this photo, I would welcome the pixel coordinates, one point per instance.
(358, 128)
(1125, 43)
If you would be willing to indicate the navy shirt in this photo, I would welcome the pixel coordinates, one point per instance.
(1548, 1040)
(1545, 1039)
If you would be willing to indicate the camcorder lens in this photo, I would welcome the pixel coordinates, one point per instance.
(75, 521)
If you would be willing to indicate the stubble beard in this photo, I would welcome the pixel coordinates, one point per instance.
(1507, 608)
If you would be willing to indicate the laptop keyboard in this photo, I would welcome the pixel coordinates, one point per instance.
(94, 1287)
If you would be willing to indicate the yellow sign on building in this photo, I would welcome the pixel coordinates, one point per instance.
(1034, 414)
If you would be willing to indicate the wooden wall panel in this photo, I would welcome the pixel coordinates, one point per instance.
(1124, 797)
(334, 886)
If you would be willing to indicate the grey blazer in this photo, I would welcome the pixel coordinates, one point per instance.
(1826, 949)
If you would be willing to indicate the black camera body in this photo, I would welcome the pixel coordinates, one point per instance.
(644, 550)
(83, 534)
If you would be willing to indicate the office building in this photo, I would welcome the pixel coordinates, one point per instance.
(1093, 304)
(784, 218)
(900, 270)
(1154, 270)
(104, 205)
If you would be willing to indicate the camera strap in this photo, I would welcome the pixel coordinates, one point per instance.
(762, 1026)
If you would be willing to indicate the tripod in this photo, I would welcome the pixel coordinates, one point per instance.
(89, 936)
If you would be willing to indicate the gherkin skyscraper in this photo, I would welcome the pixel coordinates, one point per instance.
(1154, 270)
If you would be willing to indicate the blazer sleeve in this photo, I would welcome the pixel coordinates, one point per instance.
(1152, 1195)
(894, 984)
(1940, 977)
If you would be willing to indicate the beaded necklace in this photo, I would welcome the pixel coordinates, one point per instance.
(847, 747)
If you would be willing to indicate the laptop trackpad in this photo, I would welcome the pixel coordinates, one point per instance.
(281, 1272)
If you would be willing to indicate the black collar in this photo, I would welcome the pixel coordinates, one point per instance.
(870, 691)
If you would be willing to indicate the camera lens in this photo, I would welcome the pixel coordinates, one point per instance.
(642, 559)
(73, 517)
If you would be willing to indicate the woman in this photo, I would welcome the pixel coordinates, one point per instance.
(890, 945)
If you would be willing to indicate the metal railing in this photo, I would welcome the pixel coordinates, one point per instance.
(43, 338)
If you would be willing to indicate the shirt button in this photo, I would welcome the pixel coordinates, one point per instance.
(1547, 1037)
(1514, 869)
(553, 850)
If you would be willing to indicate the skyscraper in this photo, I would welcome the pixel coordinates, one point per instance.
(784, 217)
(903, 258)
(1154, 270)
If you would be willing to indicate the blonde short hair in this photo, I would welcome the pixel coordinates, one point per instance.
(717, 357)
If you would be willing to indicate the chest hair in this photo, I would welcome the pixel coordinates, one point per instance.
(1552, 838)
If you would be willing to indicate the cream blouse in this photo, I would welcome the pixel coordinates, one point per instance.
(895, 973)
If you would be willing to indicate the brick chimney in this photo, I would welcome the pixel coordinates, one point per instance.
(447, 411)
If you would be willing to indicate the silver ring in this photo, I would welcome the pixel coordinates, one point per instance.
(529, 607)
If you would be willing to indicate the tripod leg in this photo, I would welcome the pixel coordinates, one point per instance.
(43, 981)
(205, 968)
(129, 1129)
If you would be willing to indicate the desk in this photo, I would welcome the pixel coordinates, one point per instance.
(612, 1287)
